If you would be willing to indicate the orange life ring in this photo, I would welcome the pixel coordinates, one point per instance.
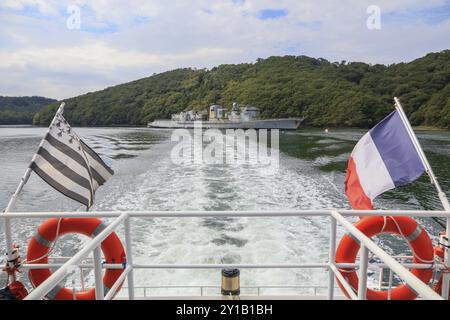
(41, 242)
(418, 240)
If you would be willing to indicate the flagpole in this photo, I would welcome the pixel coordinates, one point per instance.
(435, 182)
(13, 199)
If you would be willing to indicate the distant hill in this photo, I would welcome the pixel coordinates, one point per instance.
(326, 93)
(21, 110)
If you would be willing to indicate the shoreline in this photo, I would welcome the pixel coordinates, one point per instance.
(418, 128)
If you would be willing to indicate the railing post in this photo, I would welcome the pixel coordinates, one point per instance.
(99, 293)
(380, 279)
(390, 285)
(74, 289)
(9, 241)
(129, 252)
(446, 275)
(362, 284)
(332, 258)
(82, 279)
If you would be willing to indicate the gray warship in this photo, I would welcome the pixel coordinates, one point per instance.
(218, 117)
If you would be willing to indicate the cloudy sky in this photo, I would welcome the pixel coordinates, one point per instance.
(48, 49)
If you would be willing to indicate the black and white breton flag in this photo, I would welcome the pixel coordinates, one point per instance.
(69, 165)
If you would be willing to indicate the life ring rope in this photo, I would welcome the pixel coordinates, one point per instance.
(408, 239)
(51, 248)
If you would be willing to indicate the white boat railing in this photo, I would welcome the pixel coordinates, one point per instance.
(336, 217)
(245, 290)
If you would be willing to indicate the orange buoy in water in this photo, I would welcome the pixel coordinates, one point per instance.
(47, 233)
(418, 240)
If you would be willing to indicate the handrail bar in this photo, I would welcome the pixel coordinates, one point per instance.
(247, 214)
(244, 288)
(121, 266)
(344, 282)
(112, 292)
(287, 286)
(274, 266)
(412, 281)
(40, 292)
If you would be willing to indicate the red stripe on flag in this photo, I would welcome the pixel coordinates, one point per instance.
(354, 191)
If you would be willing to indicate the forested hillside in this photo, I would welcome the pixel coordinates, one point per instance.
(325, 93)
(21, 110)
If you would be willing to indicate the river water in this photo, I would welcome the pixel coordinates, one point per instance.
(310, 176)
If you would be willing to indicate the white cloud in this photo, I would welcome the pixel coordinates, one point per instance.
(125, 40)
(103, 58)
(43, 6)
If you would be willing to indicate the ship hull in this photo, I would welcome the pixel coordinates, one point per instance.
(281, 124)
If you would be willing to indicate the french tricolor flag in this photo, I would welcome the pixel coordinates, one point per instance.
(384, 158)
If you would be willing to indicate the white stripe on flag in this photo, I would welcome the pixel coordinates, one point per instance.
(69, 184)
(372, 172)
(98, 167)
(68, 161)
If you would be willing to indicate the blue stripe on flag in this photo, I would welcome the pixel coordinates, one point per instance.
(397, 150)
